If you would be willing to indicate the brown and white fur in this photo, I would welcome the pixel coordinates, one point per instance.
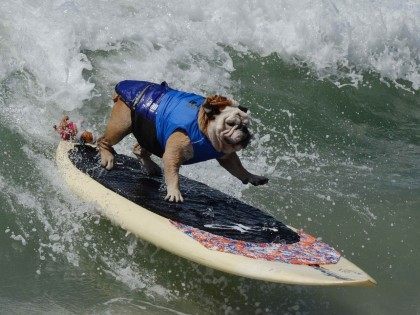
(220, 119)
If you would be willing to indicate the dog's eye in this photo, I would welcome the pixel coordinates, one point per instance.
(230, 123)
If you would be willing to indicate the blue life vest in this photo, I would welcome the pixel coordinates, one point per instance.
(158, 111)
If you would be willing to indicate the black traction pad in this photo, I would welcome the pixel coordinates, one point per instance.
(204, 208)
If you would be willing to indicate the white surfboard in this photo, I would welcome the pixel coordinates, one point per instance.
(161, 232)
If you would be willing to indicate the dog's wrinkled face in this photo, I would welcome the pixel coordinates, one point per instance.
(227, 124)
(232, 127)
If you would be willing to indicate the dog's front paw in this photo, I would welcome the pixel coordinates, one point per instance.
(174, 195)
(107, 159)
(256, 180)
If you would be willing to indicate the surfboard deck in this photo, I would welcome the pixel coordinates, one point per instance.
(134, 201)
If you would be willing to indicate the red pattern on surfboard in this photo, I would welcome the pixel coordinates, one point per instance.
(308, 251)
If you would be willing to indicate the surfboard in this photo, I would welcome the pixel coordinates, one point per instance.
(210, 228)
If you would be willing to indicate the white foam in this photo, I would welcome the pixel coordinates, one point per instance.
(184, 42)
(132, 275)
(19, 238)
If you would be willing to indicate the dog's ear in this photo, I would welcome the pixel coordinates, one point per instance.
(219, 101)
(210, 110)
(214, 104)
(242, 108)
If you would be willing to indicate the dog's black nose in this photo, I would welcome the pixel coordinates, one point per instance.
(243, 128)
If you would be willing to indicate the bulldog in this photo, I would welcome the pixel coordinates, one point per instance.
(180, 127)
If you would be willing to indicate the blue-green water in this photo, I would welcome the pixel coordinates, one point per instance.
(333, 92)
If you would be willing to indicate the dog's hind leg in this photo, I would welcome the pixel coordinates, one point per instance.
(118, 127)
(144, 156)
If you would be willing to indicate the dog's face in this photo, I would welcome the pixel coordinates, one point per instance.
(225, 124)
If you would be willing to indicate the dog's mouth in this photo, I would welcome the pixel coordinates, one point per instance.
(246, 140)
(237, 135)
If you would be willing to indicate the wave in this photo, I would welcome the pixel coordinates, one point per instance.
(186, 41)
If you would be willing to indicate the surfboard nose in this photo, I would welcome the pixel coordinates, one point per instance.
(371, 283)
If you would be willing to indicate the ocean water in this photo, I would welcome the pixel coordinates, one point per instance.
(333, 89)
